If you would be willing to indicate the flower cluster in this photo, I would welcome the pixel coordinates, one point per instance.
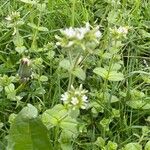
(14, 21)
(13, 16)
(72, 35)
(120, 32)
(75, 98)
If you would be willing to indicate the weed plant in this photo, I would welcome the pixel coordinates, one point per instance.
(75, 75)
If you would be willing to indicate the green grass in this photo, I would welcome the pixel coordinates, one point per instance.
(119, 110)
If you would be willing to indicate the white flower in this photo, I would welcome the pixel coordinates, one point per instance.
(84, 98)
(77, 33)
(98, 34)
(74, 100)
(77, 92)
(58, 43)
(64, 97)
(69, 32)
(122, 30)
(8, 18)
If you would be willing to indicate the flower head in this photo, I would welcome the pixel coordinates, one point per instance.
(75, 98)
(72, 36)
(120, 32)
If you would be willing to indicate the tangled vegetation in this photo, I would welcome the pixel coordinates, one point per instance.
(75, 75)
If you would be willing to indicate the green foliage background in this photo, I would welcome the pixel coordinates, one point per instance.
(121, 122)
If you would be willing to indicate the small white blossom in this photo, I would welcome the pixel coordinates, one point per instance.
(74, 100)
(122, 30)
(8, 18)
(84, 98)
(69, 32)
(64, 97)
(98, 34)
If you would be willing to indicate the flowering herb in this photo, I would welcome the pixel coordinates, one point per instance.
(75, 98)
(72, 36)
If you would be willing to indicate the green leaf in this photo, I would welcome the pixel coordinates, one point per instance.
(147, 146)
(18, 40)
(32, 25)
(138, 104)
(105, 123)
(10, 91)
(100, 142)
(101, 72)
(80, 73)
(114, 76)
(69, 124)
(65, 141)
(52, 116)
(58, 116)
(108, 75)
(133, 146)
(111, 145)
(43, 78)
(40, 91)
(27, 132)
(10, 88)
(65, 64)
(20, 49)
(44, 29)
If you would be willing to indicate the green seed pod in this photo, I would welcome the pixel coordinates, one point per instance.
(25, 69)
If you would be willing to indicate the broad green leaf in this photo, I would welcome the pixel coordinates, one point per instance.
(108, 75)
(65, 64)
(32, 25)
(101, 72)
(105, 123)
(106, 97)
(147, 146)
(40, 91)
(112, 17)
(27, 132)
(80, 73)
(58, 116)
(69, 124)
(65, 141)
(20, 49)
(100, 142)
(51, 117)
(43, 78)
(138, 104)
(111, 145)
(12, 117)
(116, 66)
(10, 88)
(10, 91)
(18, 40)
(133, 146)
(114, 76)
